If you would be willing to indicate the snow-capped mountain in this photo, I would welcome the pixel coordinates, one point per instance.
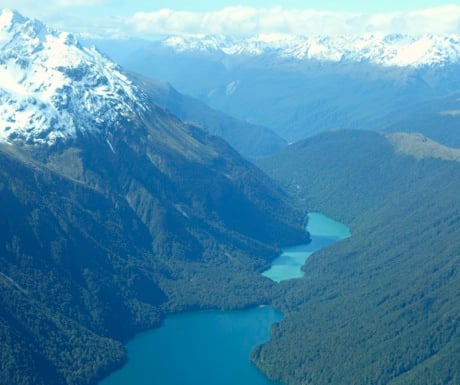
(299, 86)
(53, 88)
(387, 50)
(111, 225)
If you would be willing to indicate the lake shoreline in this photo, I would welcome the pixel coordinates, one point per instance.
(215, 328)
(323, 232)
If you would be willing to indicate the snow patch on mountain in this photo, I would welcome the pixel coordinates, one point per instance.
(52, 88)
(387, 50)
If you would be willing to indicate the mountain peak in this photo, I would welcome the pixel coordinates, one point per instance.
(52, 88)
(9, 17)
(12, 22)
(383, 49)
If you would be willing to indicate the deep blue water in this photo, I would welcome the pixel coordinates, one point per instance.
(213, 347)
(199, 348)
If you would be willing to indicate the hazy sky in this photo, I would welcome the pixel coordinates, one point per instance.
(150, 18)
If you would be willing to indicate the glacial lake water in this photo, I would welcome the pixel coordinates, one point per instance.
(323, 230)
(199, 348)
(213, 347)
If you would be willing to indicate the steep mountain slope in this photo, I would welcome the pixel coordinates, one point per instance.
(250, 140)
(114, 212)
(383, 306)
(302, 85)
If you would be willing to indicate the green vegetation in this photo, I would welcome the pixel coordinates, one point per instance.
(382, 307)
(40, 346)
(437, 119)
(98, 242)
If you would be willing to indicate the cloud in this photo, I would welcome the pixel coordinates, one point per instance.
(249, 21)
(79, 3)
(31, 6)
(114, 19)
(82, 17)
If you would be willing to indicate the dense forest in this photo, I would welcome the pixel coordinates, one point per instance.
(115, 213)
(86, 263)
(99, 242)
(382, 307)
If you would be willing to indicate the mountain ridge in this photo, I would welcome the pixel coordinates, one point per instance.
(399, 50)
(65, 89)
(296, 98)
(252, 141)
(114, 212)
(53, 88)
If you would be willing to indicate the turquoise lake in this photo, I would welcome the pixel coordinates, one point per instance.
(323, 230)
(199, 348)
(213, 347)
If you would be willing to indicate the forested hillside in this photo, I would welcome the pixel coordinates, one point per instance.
(100, 240)
(97, 245)
(382, 307)
(437, 119)
(113, 212)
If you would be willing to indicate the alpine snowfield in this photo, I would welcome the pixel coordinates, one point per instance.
(387, 50)
(53, 88)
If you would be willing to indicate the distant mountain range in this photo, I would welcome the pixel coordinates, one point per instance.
(298, 86)
(252, 141)
(113, 211)
(47, 96)
(387, 50)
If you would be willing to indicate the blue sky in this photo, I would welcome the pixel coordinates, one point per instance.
(150, 19)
